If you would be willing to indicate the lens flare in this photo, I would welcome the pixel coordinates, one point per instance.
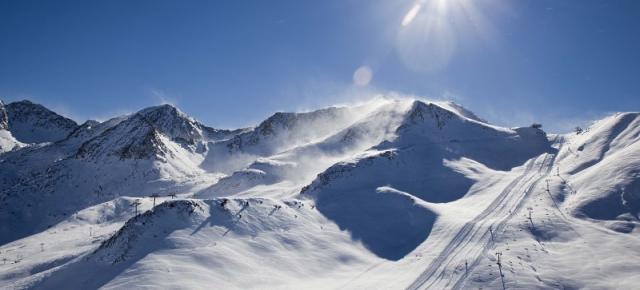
(362, 76)
(411, 14)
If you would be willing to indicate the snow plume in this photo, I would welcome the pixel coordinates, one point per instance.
(295, 148)
(291, 149)
(161, 97)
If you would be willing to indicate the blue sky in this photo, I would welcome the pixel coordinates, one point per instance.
(233, 63)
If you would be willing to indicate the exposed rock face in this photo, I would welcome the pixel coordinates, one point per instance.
(140, 136)
(134, 138)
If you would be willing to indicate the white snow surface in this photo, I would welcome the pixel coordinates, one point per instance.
(7, 141)
(388, 194)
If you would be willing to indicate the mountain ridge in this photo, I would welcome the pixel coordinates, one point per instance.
(391, 193)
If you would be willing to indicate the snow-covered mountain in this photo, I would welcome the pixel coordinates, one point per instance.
(152, 151)
(33, 123)
(388, 194)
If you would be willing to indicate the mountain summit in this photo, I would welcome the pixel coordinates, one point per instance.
(33, 123)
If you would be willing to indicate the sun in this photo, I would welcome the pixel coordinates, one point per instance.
(431, 30)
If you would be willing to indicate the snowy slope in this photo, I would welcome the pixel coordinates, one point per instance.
(7, 141)
(240, 245)
(389, 194)
(603, 164)
(583, 227)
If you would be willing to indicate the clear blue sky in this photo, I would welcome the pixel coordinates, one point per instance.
(232, 63)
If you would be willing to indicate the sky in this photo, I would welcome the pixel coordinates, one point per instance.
(233, 63)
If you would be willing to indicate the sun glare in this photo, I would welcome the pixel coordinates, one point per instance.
(431, 31)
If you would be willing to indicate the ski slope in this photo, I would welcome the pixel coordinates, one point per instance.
(475, 238)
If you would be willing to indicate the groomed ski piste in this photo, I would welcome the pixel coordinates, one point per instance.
(392, 193)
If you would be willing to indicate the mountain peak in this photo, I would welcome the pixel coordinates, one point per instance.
(26, 106)
(34, 123)
(144, 135)
(166, 109)
(284, 130)
(289, 120)
(133, 138)
(421, 111)
(173, 123)
(461, 110)
(26, 102)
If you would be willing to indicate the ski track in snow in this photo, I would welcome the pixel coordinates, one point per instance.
(465, 240)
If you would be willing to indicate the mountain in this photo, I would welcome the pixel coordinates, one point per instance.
(295, 167)
(387, 194)
(278, 133)
(154, 150)
(33, 123)
(428, 143)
